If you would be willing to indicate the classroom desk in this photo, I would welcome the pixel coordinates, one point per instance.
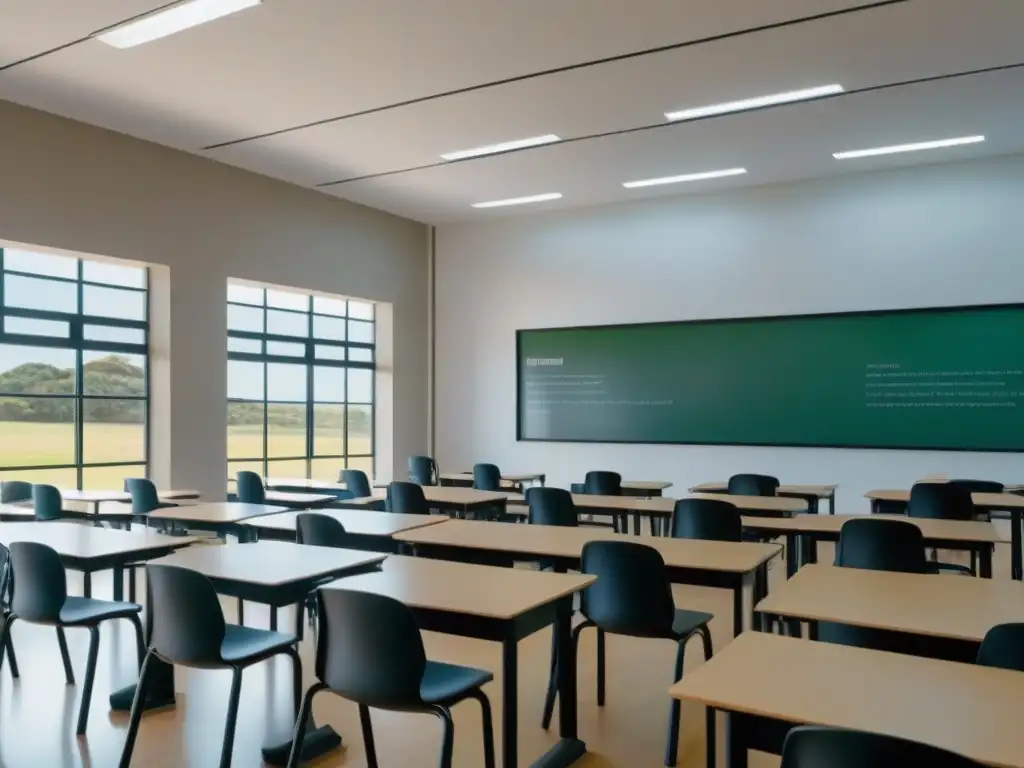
(762, 506)
(754, 682)
(721, 564)
(941, 616)
(365, 529)
(271, 572)
(812, 494)
(88, 549)
(644, 487)
(618, 508)
(803, 532)
(221, 517)
(499, 604)
(514, 481)
(985, 502)
(96, 498)
(294, 500)
(465, 500)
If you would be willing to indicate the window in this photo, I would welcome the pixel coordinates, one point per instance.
(73, 368)
(300, 383)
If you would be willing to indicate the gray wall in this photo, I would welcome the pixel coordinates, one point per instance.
(70, 186)
(938, 235)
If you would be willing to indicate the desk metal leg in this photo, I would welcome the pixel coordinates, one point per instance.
(985, 561)
(87, 584)
(711, 736)
(569, 749)
(832, 503)
(735, 744)
(1016, 557)
(118, 584)
(792, 554)
(636, 523)
(510, 703)
(737, 609)
(159, 678)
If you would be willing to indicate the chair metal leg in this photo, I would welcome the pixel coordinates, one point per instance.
(69, 674)
(488, 726)
(7, 644)
(367, 725)
(705, 636)
(136, 714)
(293, 653)
(232, 718)
(447, 737)
(674, 712)
(140, 643)
(600, 667)
(131, 584)
(90, 677)
(300, 725)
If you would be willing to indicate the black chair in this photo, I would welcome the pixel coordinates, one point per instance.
(710, 519)
(15, 490)
(942, 501)
(983, 486)
(423, 470)
(601, 483)
(486, 477)
(41, 597)
(371, 653)
(47, 502)
(753, 485)
(406, 498)
(816, 747)
(551, 506)
(5, 609)
(357, 482)
(249, 488)
(633, 597)
(1003, 647)
(320, 530)
(145, 499)
(188, 629)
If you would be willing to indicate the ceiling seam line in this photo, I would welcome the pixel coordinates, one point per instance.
(655, 126)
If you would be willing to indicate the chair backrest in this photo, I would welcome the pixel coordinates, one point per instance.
(979, 486)
(423, 470)
(551, 506)
(356, 481)
(1003, 647)
(144, 495)
(369, 649)
(601, 483)
(249, 488)
(881, 545)
(320, 530)
(943, 501)
(814, 747)
(15, 490)
(47, 502)
(632, 594)
(486, 477)
(39, 580)
(406, 498)
(577, 488)
(187, 620)
(712, 519)
(753, 485)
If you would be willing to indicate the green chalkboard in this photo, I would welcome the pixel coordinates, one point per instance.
(950, 378)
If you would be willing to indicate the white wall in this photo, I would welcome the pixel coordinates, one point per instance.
(938, 235)
(70, 186)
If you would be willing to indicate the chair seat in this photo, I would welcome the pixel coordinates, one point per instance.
(245, 643)
(686, 622)
(444, 682)
(85, 610)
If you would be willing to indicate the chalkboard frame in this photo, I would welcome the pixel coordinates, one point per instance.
(751, 319)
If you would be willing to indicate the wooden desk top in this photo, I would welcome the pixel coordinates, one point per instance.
(541, 540)
(95, 497)
(449, 494)
(288, 497)
(949, 530)
(937, 605)
(303, 482)
(989, 500)
(476, 590)
(85, 541)
(508, 480)
(974, 711)
(270, 563)
(821, 491)
(760, 503)
(216, 512)
(646, 485)
(363, 522)
(19, 509)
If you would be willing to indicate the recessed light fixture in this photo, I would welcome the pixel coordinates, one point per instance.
(520, 200)
(505, 146)
(685, 177)
(758, 101)
(917, 146)
(177, 18)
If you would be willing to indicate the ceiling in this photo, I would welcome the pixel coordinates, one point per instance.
(358, 98)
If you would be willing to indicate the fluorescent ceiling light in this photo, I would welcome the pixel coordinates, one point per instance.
(940, 144)
(170, 20)
(520, 200)
(505, 146)
(685, 177)
(754, 103)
